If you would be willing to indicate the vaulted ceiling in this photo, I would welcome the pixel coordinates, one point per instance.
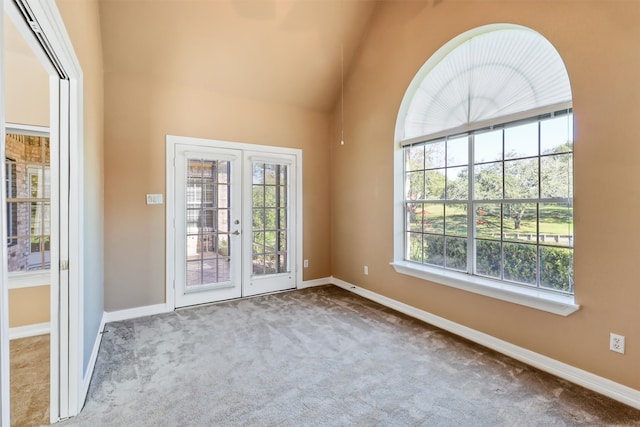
(278, 51)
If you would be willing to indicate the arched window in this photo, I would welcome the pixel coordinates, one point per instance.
(484, 166)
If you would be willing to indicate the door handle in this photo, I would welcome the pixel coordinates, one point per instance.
(236, 232)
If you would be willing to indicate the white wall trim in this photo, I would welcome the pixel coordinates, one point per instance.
(551, 302)
(315, 282)
(29, 279)
(619, 392)
(22, 129)
(29, 330)
(86, 381)
(132, 313)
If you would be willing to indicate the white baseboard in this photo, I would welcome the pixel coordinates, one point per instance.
(619, 392)
(29, 330)
(315, 282)
(132, 313)
(86, 381)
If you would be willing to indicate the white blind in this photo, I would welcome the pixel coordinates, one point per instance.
(494, 74)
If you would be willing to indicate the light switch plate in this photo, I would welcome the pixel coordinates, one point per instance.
(154, 199)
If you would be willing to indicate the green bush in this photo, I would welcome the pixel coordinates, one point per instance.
(556, 264)
(556, 268)
(456, 252)
(488, 258)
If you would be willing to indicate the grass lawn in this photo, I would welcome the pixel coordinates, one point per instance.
(555, 219)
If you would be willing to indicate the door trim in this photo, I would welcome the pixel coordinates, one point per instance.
(5, 403)
(171, 141)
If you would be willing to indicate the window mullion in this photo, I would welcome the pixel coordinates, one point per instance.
(538, 252)
(471, 247)
(504, 193)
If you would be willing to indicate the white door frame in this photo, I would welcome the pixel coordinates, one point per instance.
(67, 130)
(5, 403)
(171, 141)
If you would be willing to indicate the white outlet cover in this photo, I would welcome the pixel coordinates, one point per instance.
(616, 343)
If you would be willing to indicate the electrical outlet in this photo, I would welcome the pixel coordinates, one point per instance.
(306, 263)
(616, 343)
(366, 270)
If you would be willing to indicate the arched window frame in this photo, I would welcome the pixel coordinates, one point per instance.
(535, 297)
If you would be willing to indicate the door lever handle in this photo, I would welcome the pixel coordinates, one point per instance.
(236, 232)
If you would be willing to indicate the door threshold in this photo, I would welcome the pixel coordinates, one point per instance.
(186, 307)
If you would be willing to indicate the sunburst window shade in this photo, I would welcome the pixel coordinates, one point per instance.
(490, 76)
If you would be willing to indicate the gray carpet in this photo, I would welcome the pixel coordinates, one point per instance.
(320, 357)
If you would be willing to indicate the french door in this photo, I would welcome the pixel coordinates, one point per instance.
(234, 231)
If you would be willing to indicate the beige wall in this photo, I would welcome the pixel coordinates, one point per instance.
(27, 103)
(256, 72)
(29, 306)
(27, 82)
(599, 44)
(139, 113)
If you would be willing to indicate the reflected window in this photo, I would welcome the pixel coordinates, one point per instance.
(28, 187)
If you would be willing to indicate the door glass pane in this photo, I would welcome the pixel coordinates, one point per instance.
(207, 226)
(269, 212)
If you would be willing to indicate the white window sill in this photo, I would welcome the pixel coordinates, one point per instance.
(29, 279)
(559, 304)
